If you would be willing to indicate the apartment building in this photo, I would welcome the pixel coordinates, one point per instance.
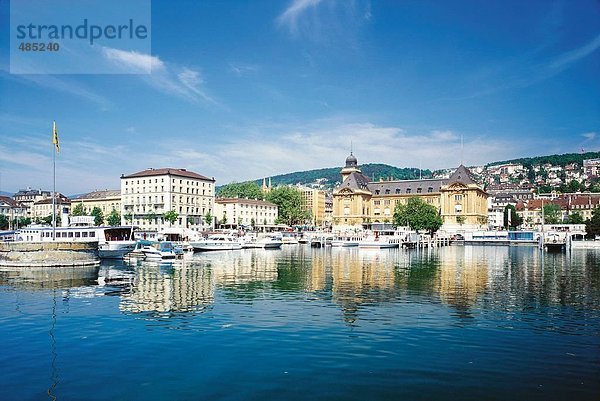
(247, 212)
(147, 195)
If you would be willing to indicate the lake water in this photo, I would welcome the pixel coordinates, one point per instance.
(460, 322)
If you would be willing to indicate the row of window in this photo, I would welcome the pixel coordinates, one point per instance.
(70, 234)
(399, 191)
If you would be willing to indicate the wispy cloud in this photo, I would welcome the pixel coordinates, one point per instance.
(62, 84)
(526, 71)
(565, 60)
(168, 78)
(589, 136)
(326, 21)
(297, 8)
(241, 69)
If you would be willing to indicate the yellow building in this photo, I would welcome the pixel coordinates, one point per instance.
(107, 201)
(358, 202)
(313, 200)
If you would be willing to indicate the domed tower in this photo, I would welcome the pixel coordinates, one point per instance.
(351, 166)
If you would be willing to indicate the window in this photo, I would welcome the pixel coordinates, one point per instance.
(387, 191)
(398, 190)
(430, 189)
(419, 190)
(408, 190)
(457, 197)
(376, 192)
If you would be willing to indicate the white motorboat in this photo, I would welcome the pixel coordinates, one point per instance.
(217, 242)
(268, 242)
(289, 240)
(153, 250)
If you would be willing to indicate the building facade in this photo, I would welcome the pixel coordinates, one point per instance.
(358, 202)
(107, 201)
(12, 209)
(27, 197)
(147, 195)
(43, 208)
(245, 212)
(313, 200)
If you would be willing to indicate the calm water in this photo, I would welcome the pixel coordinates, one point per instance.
(470, 323)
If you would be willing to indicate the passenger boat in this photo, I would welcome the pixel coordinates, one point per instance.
(113, 242)
(217, 242)
(345, 242)
(378, 242)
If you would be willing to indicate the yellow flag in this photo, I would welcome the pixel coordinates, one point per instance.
(55, 137)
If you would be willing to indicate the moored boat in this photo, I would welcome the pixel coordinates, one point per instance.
(217, 242)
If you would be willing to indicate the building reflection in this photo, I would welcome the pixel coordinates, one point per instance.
(171, 289)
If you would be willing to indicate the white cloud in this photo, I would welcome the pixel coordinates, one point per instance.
(168, 78)
(132, 61)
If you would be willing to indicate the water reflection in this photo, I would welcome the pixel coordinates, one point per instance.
(463, 278)
(48, 277)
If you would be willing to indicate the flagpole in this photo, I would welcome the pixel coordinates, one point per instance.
(53, 191)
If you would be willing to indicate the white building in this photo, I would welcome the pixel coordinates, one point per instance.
(27, 197)
(147, 195)
(238, 212)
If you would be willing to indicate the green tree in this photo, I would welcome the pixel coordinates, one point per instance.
(190, 220)
(78, 210)
(249, 190)
(592, 226)
(114, 218)
(224, 220)
(171, 216)
(150, 216)
(418, 215)
(289, 204)
(98, 216)
(575, 218)
(552, 213)
(515, 219)
(128, 217)
(574, 186)
(208, 218)
(252, 222)
(21, 222)
(3, 222)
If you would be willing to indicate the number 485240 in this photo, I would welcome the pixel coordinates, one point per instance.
(39, 47)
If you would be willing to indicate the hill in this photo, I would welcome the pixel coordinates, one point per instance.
(330, 177)
(555, 160)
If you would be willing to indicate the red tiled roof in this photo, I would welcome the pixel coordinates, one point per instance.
(180, 172)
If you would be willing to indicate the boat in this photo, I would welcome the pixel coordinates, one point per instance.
(116, 242)
(267, 242)
(345, 242)
(289, 240)
(151, 250)
(217, 242)
(378, 242)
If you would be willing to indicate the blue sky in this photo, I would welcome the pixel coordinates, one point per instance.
(241, 90)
